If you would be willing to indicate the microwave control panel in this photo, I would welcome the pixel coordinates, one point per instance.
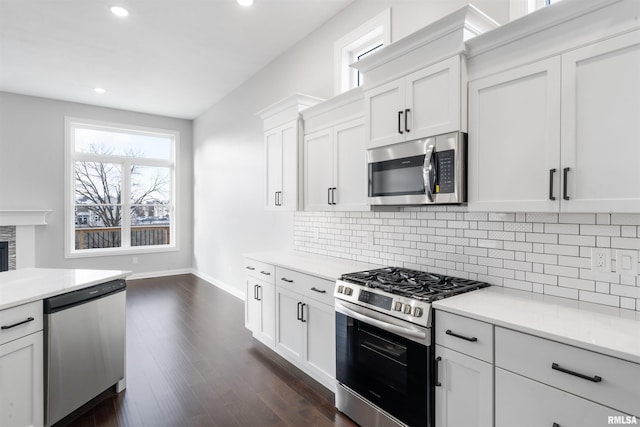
(445, 161)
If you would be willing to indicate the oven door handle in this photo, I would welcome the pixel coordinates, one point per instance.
(380, 324)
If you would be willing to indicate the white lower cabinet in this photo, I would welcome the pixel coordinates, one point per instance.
(526, 403)
(305, 334)
(21, 382)
(465, 395)
(260, 310)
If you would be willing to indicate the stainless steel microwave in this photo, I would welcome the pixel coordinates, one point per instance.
(424, 171)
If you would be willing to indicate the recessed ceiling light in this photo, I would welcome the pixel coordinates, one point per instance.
(99, 90)
(245, 2)
(119, 11)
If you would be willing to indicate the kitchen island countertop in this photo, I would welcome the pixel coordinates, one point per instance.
(25, 285)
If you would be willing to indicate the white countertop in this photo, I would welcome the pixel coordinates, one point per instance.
(607, 330)
(31, 284)
(326, 267)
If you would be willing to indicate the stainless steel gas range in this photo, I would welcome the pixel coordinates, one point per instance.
(384, 337)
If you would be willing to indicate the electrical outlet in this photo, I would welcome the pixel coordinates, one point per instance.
(315, 234)
(601, 259)
(135, 260)
(627, 262)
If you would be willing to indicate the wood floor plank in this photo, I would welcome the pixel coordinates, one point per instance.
(191, 362)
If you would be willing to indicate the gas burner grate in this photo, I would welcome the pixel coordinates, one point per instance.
(419, 285)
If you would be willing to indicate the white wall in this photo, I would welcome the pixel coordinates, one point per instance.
(228, 144)
(32, 177)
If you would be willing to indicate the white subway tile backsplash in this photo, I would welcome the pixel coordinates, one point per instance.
(600, 230)
(537, 252)
(562, 228)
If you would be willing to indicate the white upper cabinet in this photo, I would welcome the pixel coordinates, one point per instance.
(558, 134)
(282, 141)
(514, 139)
(424, 103)
(601, 126)
(335, 164)
(413, 87)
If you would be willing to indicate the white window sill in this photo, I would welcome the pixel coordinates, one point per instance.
(89, 253)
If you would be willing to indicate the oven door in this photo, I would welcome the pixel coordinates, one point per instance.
(385, 363)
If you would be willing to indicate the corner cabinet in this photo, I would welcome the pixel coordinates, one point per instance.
(560, 134)
(335, 164)
(282, 140)
(22, 366)
(425, 103)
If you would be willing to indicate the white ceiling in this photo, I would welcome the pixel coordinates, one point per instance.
(169, 57)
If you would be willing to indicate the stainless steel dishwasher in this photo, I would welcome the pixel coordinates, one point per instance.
(84, 346)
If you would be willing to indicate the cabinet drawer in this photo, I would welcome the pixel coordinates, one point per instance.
(20, 317)
(525, 403)
(310, 286)
(465, 335)
(260, 270)
(610, 381)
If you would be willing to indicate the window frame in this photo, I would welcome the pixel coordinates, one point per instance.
(376, 30)
(71, 156)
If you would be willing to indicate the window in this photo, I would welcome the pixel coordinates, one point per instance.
(519, 8)
(354, 46)
(121, 184)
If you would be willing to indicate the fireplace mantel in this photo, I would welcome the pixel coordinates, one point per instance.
(25, 222)
(23, 217)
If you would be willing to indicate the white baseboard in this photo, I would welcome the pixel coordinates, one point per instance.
(161, 273)
(215, 282)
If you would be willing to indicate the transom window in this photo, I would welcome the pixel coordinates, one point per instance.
(121, 184)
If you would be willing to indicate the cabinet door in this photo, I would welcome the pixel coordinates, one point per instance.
(289, 329)
(21, 382)
(273, 153)
(260, 310)
(289, 197)
(253, 308)
(514, 139)
(350, 167)
(433, 100)
(384, 125)
(267, 295)
(465, 396)
(601, 126)
(318, 170)
(526, 403)
(320, 354)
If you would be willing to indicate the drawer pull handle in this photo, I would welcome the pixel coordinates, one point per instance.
(266, 273)
(437, 383)
(250, 268)
(595, 378)
(29, 319)
(462, 337)
(321, 291)
(284, 279)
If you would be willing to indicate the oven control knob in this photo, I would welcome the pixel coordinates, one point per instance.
(340, 289)
(398, 306)
(407, 309)
(348, 291)
(417, 312)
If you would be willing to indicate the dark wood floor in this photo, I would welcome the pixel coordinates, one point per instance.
(191, 362)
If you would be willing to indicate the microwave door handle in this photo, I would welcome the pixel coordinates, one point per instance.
(427, 172)
(379, 323)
